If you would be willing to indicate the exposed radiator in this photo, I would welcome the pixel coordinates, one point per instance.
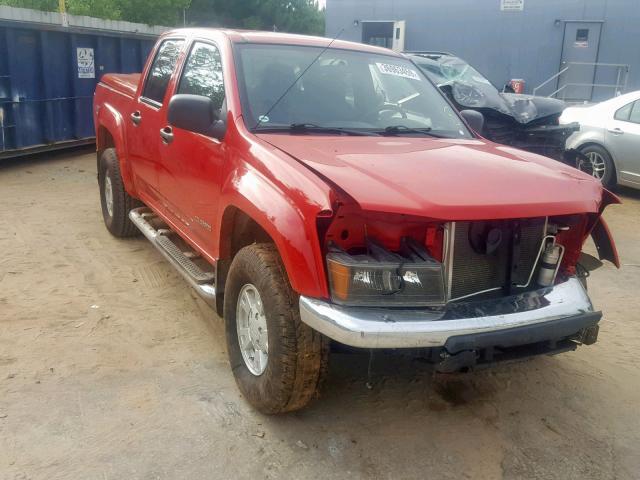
(471, 271)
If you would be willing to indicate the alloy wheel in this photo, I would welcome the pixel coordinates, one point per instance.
(594, 165)
(108, 195)
(251, 324)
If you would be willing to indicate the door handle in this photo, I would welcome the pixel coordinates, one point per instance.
(615, 131)
(167, 135)
(136, 118)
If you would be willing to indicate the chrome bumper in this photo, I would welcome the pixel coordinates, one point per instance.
(367, 327)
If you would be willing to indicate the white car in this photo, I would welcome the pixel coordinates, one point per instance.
(609, 137)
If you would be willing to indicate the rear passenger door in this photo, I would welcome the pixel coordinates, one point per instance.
(623, 141)
(146, 118)
(192, 162)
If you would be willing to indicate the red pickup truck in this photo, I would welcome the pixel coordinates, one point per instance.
(317, 191)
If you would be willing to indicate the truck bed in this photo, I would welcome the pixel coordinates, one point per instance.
(125, 83)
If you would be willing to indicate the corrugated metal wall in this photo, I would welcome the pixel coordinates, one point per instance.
(45, 96)
(502, 45)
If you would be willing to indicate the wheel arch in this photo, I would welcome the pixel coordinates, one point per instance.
(110, 133)
(243, 223)
(237, 230)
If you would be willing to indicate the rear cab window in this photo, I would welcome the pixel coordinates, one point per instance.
(161, 70)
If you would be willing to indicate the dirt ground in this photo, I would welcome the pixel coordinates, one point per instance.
(111, 368)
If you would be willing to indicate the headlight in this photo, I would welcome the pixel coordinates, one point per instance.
(385, 280)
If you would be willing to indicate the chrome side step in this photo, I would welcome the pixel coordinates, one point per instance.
(202, 281)
(193, 270)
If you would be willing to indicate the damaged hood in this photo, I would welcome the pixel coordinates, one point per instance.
(443, 179)
(522, 108)
(527, 108)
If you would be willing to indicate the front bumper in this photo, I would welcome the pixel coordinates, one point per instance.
(546, 314)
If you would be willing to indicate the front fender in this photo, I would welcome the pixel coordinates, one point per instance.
(603, 240)
(600, 233)
(289, 217)
(109, 119)
(584, 136)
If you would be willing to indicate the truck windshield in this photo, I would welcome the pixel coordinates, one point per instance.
(349, 90)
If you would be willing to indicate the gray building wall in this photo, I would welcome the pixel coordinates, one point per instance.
(503, 45)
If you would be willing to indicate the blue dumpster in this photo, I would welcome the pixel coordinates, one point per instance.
(48, 73)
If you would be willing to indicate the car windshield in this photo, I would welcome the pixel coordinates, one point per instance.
(349, 90)
(452, 69)
(463, 83)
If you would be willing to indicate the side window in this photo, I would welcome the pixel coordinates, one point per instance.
(624, 112)
(202, 74)
(635, 112)
(161, 70)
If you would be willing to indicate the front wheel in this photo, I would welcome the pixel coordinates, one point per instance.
(278, 361)
(599, 164)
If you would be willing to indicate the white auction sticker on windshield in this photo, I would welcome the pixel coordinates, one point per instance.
(398, 71)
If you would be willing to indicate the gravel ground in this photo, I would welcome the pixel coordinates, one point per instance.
(111, 368)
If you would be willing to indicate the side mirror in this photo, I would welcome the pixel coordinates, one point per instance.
(197, 114)
(474, 119)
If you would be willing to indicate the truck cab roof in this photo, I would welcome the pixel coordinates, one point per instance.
(277, 38)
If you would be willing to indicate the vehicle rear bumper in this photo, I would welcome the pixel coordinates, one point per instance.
(547, 314)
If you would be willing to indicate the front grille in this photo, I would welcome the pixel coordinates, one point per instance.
(472, 270)
(531, 233)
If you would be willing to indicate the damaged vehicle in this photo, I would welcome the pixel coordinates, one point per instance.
(319, 192)
(609, 138)
(522, 121)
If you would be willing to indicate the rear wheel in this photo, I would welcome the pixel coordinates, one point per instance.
(598, 163)
(115, 201)
(278, 361)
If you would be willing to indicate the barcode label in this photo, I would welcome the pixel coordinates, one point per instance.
(398, 71)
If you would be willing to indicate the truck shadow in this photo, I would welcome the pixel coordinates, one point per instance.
(405, 378)
(492, 418)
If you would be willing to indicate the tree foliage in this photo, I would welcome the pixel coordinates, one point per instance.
(151, 12)
(299, 16)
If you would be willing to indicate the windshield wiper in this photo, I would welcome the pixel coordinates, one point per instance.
(312, 127)
(400, 129)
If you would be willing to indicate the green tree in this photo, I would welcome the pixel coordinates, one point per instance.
(297, 16)
(46, 5)
(152, 12)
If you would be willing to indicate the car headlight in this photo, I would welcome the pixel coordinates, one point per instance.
(364, 280)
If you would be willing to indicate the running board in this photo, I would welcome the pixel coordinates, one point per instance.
(202, 281)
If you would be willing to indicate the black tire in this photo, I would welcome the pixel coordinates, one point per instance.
(609, 178)
(297, 355)
(117, 222)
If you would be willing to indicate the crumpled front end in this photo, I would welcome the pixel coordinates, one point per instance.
(543, 137)
(469, 292)
(522, 121)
